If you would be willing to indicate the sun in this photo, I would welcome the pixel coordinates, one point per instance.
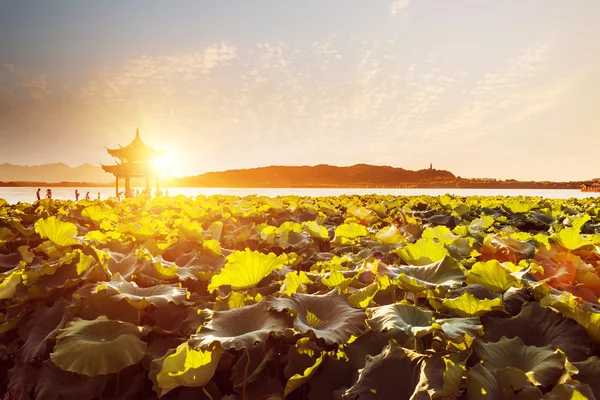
(165, 165)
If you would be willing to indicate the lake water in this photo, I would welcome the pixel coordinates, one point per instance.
(17, 194)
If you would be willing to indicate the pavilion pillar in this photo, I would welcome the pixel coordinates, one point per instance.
(127, 188)
(117, 185)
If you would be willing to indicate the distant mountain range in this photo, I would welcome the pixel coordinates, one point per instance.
(53, 173)
(360, 175)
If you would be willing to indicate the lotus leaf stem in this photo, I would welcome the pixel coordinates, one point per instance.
(245, 373)
(206, 393)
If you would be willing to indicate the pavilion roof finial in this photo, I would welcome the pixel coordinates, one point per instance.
(137, 133)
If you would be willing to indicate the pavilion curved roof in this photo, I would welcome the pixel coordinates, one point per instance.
(137, 150)
(130, 169)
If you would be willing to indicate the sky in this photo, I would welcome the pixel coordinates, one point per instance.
(483, 88)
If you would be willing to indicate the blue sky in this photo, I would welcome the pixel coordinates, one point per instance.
(502, 89)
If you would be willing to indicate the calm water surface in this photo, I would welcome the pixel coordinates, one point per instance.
(27, 194)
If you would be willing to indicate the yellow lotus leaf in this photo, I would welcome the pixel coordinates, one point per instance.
(187, 367)
(245, 269)
(468, 305)
(8, 285)
(492, 275)
(61, 234)
(390, 235)
(350, 231)
(98, 214)
(316, 231)
(422, 252)
(213, 246)
(98, 347)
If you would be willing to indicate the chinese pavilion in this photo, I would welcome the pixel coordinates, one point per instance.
(136, 160)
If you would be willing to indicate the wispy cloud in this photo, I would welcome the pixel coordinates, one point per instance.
(399, 7)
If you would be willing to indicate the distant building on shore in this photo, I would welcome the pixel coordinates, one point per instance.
(136, 160)
(593, 186)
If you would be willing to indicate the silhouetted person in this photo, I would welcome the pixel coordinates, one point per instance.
(120, 195)
(76, 195)
(167, 192)
(38, 194)
(87, 196)
(137, 192)
(98, 195)
(48, 193)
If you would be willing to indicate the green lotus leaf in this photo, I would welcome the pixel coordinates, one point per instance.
(294, 282)
(445, 273)
(6, 235)
(588, 373)
(316, 231)
(328, 316)
(571, 239)
(42, 327)
(185, 367)
(54, 383)
(260, 355)
(336, 279)
(379, 379)
(422, 252)
(440, 233)
(98, 214)
(543, 366)
(481, 224)
(362, 297)
(390, 235)
(240, 328)
(245, 269)
(141, 297)
(457, 327)
(412, 320)
(568, 306)
(467, 305)
(507, 383)
(60, 233)
(570, 392)
(9, 284)
(98, 347)
(540, 326)
(305, 358)
(442, 376)
(492, 275)
(350, 231)
(519, 205)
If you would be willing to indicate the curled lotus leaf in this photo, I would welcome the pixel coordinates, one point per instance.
(185, 367)
(328, 316)
(98, 347)
(467, 305)
(422, 252)
(60, 233)
(372, 343)
(492, 275)
(444, 273)
(570, 392)
(41, 327)
(142, 297)
(442, 375)
(413, 320)
(540, 326)
(240, 328)
(54, 384)
(457, 327)
(507, 383)
(379, 379)
(543, 366)
(589, 371)
(245, 269)
(350, 231)
(305, 358)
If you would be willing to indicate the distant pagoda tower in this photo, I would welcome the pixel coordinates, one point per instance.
(136, 160)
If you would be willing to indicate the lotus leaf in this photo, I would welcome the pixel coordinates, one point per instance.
(507, 383)
(492, 275)
(186, 367)
(98, 347)
(422, 252)
(444, 273)
(570, 392)
(539, 326)
(466, 305)
(240, 328)
(350, 231)
(379, 379)
(543, 366)
(413, 320)
(328, 316)
(140, 297)
(245, 269)
(60, 233)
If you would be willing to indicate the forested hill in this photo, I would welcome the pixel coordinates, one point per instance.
(361, 175)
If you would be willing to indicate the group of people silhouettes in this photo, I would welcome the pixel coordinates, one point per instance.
(49, 194)
(133, 193)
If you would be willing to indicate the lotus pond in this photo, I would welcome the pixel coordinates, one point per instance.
(351, 297)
